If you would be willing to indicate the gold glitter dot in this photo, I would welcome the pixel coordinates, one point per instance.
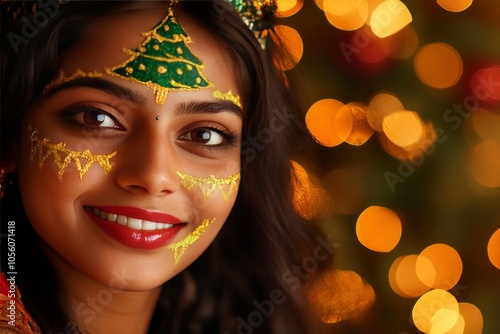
(156, 47)
(166, 27)
(189, 67)
(162, 69)
(179, 50)
(198, 80)
(129, 70)
(142, 67)
(179, 71)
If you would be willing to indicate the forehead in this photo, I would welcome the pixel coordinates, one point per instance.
(104, 42)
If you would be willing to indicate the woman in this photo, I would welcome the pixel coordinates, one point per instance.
(148, 203)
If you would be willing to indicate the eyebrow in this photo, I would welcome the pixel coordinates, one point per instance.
(97, 83)
(183, 108)
(208, 107)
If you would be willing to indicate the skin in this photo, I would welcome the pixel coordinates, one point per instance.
(112, 287)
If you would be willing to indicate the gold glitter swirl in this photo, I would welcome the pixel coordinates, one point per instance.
(64, 156)
(62, 78)
(207, 185)
(229, 96)
(180, 247)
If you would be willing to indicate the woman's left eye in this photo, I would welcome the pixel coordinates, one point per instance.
(206, 136)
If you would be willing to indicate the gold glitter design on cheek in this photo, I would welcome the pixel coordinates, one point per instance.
(180, 247)
(229, 96)
(78, 74)
(207, 185)
(64, 156)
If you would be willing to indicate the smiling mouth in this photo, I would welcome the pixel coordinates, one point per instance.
(130, 222)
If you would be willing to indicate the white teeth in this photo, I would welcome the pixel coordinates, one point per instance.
(122, 220)
(147, 225)
(111, 217)
(133, 223)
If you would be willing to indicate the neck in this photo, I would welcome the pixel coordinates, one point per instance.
(98, 307)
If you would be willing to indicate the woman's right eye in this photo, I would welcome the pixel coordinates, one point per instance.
(92, 117)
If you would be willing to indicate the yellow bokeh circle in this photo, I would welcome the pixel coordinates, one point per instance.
(378, 229)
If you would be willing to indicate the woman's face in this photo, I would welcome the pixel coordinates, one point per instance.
(155, 182)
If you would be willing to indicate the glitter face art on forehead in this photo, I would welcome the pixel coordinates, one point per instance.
(64, 156)
(163, 61)
(207, 185)
(62, 78)
(229, 96)
(180, 247)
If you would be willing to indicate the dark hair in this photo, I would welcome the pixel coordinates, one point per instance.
(263, 236)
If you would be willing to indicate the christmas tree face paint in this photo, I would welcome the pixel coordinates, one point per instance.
(207, 185)
(163, 61)
(64, 156)
(180, 247)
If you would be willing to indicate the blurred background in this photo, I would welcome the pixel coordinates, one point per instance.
(404, 99)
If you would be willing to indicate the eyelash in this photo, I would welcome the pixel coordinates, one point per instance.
(70, 113)
(229, 137)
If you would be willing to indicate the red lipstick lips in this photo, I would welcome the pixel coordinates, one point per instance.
(134, 227)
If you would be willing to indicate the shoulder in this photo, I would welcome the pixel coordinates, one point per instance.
(13, 316)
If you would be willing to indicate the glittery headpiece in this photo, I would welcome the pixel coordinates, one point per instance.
(257, 16)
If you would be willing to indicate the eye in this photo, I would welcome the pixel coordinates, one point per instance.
(96, 118)
(91, 117)
(205, 136)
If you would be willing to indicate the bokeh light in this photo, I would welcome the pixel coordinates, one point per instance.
(472, 317)
(403, 277)
(455, 5)
(438, 65)
(328, 122)
(380, 106)
(288, 8)
(378, 229)
(389, 17)
(432, 310)
(361, 130)
(339, 295)
(447, 266)
(404, 128)
(291, 45)
(310, 200)
(484, 163)
(486, 124)
(494, 249)
(401, 45)
(484, 84)
(351, 19)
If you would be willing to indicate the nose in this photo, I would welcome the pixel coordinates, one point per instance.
(147, 164)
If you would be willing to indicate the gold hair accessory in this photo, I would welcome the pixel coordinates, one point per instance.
(83, 160)
(229, 96)
(78, 74)
(180, 247)
(207, 185)
(257, 15)
(163, 62)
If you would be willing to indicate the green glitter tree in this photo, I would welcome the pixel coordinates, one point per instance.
(163, 61)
